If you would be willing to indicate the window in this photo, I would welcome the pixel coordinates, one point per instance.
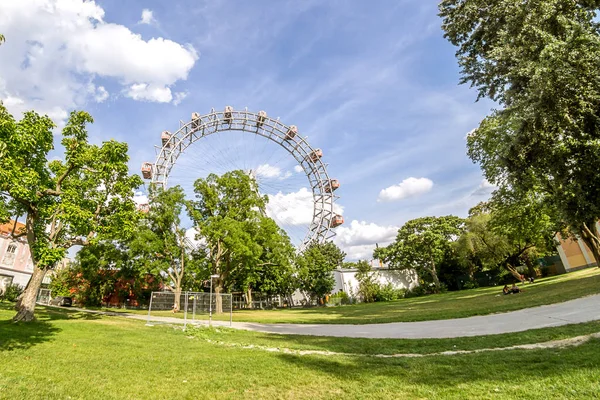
(9, 256)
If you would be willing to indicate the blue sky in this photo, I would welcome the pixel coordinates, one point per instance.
(374, 84)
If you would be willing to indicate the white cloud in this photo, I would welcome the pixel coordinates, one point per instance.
(55, 49)
(267, 171)
(285, 175)
(298, 169)
(145, 92)
(101, 94)
(191, 234)
(358, 239)
(179, 97)
(407, 188)
(484, 189)
(140, 198)
(293, 209)
(147, 17)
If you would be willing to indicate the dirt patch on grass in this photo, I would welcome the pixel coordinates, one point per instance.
(553, 344)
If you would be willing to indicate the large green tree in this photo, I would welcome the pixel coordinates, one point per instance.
(270, 271)
(84, 198)
(539, 60)
(241, 243)
(510, 230)
(315, 268)
(160, 244)
(422, 244)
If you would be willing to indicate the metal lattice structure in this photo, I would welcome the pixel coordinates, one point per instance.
(174, 144)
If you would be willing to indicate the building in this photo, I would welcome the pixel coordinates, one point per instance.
(16, 265)
(574, 253)
(345, 278)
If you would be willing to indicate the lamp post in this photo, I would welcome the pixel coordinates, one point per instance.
(210, 300)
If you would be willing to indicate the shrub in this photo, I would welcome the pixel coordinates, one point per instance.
(340, 298)
(12, 292)
(389, 293)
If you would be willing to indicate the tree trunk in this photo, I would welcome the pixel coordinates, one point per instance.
(514, 272)
(218, 298)
(249, 297)
(177, 301)
(591, 237)
(26, 304)
(436, 281)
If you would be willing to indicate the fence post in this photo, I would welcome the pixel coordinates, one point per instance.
(150, 308)
(230, 310)
(185, 312)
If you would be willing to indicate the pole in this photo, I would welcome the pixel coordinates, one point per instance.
(150, 308)
(185, 312)
(210, 304)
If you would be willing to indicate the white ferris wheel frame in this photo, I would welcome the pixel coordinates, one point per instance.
(321, 227)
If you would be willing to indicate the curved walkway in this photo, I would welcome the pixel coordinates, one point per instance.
(585, 309)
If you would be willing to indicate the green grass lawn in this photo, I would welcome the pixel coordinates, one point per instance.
(465, 303)
(71, 355)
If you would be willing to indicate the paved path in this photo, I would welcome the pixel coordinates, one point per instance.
(574, 311)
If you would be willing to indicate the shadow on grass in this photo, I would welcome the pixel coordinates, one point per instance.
(513, 367)
(24, 335)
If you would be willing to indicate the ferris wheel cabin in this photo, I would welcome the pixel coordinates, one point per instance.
(333, 185)
(147, 170)
(315, 155)
(337, 221)
(228, 114)
(164, 137)
(291, 133)
(195, 121)
(261, 118)
(144, 208)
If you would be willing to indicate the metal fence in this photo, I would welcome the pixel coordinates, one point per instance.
(44, 296)
(193, 307)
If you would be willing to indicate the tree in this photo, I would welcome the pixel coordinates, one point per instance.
(83, 199)
(271, 271)
(227, 214)
(539, 60)
(368, 288)
(160, 243)
(2, 39)
(422, 244)
(511, 229)
(315, 268)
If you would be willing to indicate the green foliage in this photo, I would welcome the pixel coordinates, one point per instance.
(510, 230)
(101, 273)
(11, 292)
(315, 268)
(368, 288)
(159, 246)
(422, 245)
(62, 282)
(538, 59)
(243, 246)
(389, 293)
(82, 199)
(340, 298)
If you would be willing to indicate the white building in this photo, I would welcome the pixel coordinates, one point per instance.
(345, 279)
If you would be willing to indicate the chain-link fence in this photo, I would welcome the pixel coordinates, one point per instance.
(192, 307)
(44, 296)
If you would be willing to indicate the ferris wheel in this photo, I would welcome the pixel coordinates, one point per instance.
(282, 172)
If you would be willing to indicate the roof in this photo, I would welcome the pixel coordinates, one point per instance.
(6, 229)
